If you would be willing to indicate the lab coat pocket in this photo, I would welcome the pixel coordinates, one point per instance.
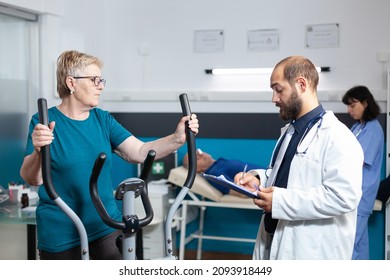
(305, 172)
(309, 242)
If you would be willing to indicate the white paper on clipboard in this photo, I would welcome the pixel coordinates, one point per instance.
(221, 180)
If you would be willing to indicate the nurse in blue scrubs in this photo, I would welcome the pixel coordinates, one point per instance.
(363, 108)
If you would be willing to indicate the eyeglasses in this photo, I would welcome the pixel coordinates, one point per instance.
(95, 79)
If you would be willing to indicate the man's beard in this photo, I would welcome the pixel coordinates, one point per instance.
(292, 108)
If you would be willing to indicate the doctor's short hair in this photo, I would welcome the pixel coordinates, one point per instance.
(363, 94)
(299, 66)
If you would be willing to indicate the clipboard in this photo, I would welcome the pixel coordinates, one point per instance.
(221, 180)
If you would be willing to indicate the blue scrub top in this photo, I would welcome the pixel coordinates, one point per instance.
(371, 138)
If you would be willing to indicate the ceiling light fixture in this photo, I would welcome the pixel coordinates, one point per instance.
(250, 71)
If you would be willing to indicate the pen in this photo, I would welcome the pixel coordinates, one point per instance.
(243, 172)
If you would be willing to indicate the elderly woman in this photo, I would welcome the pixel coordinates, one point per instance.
(78, 131)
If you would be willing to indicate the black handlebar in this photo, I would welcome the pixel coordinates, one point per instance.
(45, 152)
(97, 168)
(191, 147)
(148, 164)
(49, 187)
(93, 188)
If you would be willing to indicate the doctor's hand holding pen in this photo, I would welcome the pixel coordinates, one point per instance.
(247, 180)
(252, 183)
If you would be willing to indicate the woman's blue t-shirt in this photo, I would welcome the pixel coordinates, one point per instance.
(74, 150)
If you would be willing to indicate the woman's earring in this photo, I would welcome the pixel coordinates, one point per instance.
(71, 91)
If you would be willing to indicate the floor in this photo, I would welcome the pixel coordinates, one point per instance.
(191, 255)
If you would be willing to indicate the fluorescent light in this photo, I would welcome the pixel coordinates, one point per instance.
(250, 71)
(240, 71)
(323, 69)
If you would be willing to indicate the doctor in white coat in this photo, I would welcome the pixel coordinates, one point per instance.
(313, 200)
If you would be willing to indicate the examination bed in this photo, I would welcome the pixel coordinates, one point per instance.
(203, 195)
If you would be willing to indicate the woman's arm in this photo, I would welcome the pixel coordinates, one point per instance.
(31, 167)
(135, 151)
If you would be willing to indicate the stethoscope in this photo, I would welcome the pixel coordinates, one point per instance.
(302, 149)
(304, 142)
(361, 127)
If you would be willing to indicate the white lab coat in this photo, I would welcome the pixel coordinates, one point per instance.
(318, 209)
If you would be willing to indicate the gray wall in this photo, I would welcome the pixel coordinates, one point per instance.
(115, 30)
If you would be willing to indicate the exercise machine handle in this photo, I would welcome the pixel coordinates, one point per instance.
(43, 116)
(93, 188)
(97, 168)
(191, 147)
(45, 152)
(147, 168)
